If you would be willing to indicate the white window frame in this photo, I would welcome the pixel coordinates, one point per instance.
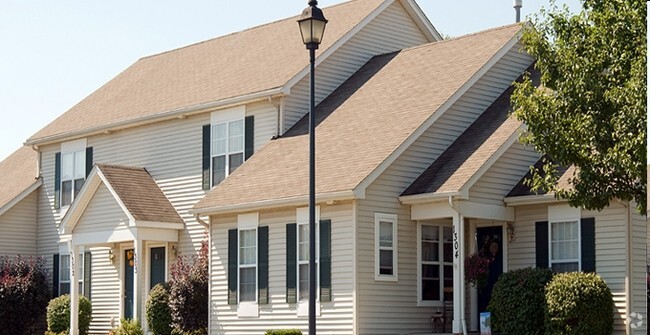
(392, 219)
(441, 263)
(247, 222)
(226, 117)
(302, 218)
(77, 149)
(564, 214)
(66, 265)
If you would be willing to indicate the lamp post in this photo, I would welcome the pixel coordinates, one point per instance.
(312, 26)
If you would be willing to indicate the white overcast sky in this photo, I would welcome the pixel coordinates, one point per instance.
(55, 53)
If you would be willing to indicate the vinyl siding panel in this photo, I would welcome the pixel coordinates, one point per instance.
(503, 175)
(18, 228)
(336, 316)
(102, 214)
(266, 121)
(390, 31)
(610, 248)
(104, 291)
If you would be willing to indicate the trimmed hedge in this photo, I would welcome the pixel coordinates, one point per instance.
(517, 303)
(128, 327)
(159, 316)
(283, 332)
(579, 303)
(58, 314)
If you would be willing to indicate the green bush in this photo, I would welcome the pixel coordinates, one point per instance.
(159, 317)
(579, 303)
(128, 327)
(517, 303)
(58, 314)
(24, 293)
(283, 332)
(200, 331)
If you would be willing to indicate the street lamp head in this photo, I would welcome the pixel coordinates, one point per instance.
(312, 25)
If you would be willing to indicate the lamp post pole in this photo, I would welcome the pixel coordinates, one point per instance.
(312, 25)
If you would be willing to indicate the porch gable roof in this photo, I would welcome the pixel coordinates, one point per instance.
(134, 190)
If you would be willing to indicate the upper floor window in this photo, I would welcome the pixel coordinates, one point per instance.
(227, 143)
(385, 246)
(72, 165)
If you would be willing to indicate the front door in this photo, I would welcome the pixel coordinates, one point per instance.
(129, 262)
(157, 266)
(490, 241)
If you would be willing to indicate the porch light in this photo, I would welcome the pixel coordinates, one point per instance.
(312, 25)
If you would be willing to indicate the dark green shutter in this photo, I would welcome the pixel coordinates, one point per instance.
(87, 272)
(325, 261)
(291, 263)
(263, 264)
(588, 244)
(541, 244)
(55, 275)
(206, 157)
(89, 160)
(57, 180)
(249, 136)
(232, 266)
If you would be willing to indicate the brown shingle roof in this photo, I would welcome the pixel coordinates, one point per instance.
(139, 193)
(17, 173)
(362, 122)
(472, 149)
(247, 62)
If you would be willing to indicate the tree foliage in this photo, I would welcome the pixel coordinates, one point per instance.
(591, 110)
(188, 296)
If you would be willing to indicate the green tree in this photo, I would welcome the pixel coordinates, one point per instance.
(590, 110)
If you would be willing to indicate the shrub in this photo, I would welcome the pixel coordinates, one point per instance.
(188, 295)
(159, 317)
(283, 332)
(201, 331)
(579, 303)
(517, 303)
(24, 293)
(58, 314)
(128, 327)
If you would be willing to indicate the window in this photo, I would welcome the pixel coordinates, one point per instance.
(565, 246)
(73, 174)
(385, 246)
(248, 265)
(303, 260)
(435, 263)
(64, 274)
(227, 148)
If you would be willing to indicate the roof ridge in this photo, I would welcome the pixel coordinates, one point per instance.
(235, 33)
(464, 36)
(124, 167)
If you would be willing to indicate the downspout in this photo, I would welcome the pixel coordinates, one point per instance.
(278, 108)
(461, 267)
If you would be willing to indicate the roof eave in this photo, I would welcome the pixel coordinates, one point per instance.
(533, 199)
(276, 203)
(11, 203)
(422, 198)
(164, 116)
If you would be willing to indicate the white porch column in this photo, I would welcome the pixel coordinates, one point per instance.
(74, 290)
(459, 274)
(138, 278)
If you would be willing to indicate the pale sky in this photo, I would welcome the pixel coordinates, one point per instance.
(55, 53)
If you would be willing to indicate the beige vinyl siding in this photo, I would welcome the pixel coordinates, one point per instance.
(336, 316)
(504, 174)
(102, 214)
(18, 228)
(610, 248)
(639, 230)
(391, 30)
(266, 121)
(105, 288)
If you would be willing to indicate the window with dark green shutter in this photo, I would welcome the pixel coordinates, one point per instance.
(226, 145)
(55, 275)
(588, 244)
(232, 266)
(325, 261)
(89, 160)
(57, 180)
(263, 264)
(206, 157)
(541, 244)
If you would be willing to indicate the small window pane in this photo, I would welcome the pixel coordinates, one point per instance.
(236, 136)
(303, 242)
(448, 252)
(431, 290)
(64, 288)
(235, 161)
(303, 270)
(247, 247)
(430, 252)
(247, 284)
(386, 234)
(386, 262)
(430, 233)
(64, 268)
(79, 164)
(78, 183)
(66, 193)
(218, 169)
(219, 139)
(67, 163)
(565, 267)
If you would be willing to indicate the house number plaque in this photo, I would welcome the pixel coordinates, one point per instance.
(456, 254)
